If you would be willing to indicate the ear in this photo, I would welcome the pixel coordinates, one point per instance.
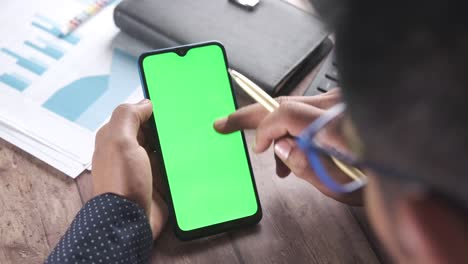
(430, 231)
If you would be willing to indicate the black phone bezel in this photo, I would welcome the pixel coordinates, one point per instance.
(217, 228)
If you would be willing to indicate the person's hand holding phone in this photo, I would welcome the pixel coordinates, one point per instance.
(122, 165)
(278, 127)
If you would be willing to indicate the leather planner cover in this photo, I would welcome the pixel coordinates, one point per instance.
(271, 44)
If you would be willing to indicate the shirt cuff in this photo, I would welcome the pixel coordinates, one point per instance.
(108, 229)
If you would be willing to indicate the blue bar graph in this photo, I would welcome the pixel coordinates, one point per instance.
(53, 28)
(30, 64)
(90, 100)
(15, 81)
(50, 49)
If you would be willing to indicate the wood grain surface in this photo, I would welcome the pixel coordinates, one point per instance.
(37, 204)
(299, 225)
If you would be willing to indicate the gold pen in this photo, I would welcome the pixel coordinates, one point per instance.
(271, 105)
(254, 91)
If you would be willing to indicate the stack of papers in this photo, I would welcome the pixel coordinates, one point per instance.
(55, 93)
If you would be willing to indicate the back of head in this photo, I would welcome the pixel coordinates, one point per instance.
(402, 65)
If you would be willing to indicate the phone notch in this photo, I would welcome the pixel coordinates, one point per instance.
(182, 51)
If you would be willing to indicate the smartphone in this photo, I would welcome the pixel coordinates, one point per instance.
(209, 176)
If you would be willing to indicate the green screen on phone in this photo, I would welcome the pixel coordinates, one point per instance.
(208, 174)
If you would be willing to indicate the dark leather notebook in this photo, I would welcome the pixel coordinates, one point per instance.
(273, 45)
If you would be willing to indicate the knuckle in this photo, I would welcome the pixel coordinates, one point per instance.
(286, 107)
(331, 98)
(231, 117)
(121, 142)
(124, 113)
(106, 137)
(263, 127)
(100, 134)
(123, 110)
(282, 99)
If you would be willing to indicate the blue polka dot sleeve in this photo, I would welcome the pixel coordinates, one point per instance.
(108, 229)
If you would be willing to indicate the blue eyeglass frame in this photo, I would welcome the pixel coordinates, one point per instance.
(312, 151)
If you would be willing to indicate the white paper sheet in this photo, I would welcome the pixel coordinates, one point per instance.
(55, 93)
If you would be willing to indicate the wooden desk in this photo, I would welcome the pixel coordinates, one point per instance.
(300, 225)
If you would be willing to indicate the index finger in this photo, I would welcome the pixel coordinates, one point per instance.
(247, 117)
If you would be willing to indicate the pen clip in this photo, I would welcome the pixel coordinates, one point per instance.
(246, 4)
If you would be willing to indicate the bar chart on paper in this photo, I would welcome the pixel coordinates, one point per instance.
(47, 28)
(15, 81)
(31, 64)
(46, 47)
(71, 83)
(87, 101)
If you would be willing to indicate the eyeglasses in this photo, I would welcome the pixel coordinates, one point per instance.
(330, 154)
(337, 164)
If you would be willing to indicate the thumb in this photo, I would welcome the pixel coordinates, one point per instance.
(144, 109)
(296, 160)
(287, 150)
(128, 118)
